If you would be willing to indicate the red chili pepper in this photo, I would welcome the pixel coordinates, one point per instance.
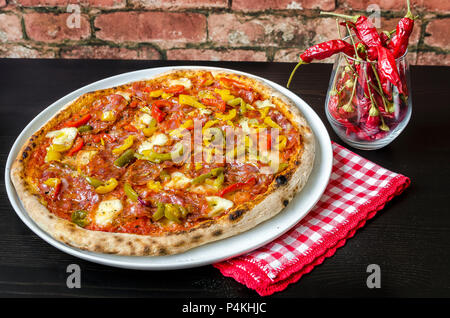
(157, 113)
(78, 122)
(400, 40)
(219, 103)
(387, 69)
(322, 51)
(76, 147)
(237, 186)
(176, 89)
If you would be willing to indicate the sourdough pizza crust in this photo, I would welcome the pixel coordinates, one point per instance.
(239, 219)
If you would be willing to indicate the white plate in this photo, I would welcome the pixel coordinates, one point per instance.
(212, 252)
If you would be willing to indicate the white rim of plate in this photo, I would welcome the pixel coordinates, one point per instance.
(212, 252)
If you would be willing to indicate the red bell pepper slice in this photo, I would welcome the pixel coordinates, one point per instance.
(176, 89)
(78, 122)
(56, 191)
(157, 113)
(237, 186)
(76, 147)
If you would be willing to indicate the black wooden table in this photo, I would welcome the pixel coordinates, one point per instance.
(409, 239)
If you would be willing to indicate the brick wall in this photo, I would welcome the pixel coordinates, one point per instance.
(250, 30)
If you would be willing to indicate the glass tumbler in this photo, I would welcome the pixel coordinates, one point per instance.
(366, 111)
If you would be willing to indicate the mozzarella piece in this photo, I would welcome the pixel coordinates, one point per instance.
(85, 156)
(264, 103)
(125, 95)
(145, 119)
(178, 181)
(181, 81)
(244, 126)
(64, 136)
(107, 211)
(155, 140)
(218, 204)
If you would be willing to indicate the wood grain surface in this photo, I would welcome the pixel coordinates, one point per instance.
(409, 239)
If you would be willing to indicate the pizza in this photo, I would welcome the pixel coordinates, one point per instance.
(163, 165)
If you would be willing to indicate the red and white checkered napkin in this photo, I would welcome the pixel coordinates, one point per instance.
(357, 189)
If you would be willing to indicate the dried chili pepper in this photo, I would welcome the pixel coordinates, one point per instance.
(399, 42)
(387, 69)
(363, 27)
(322, 51)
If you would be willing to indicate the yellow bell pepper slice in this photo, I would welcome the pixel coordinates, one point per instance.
(209, 124)
(52, 156)
(282, 140)
(154, 185)
(166, 95)
(52, 182)
(231, 114)
(109, 186)
(108, 116)
(264, 111)
(156, 93)
(191, 101)
(128, 142)
(271, 123)
(224, 94)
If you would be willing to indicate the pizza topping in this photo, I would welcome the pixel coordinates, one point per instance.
(213, 173)
(237, 186)
(107, 211)
(185, 82)
(128, 142)
(78, 122)
(231, 114)
(124, 158)
(218, 204)
(84, 128)
(172, 212)
(109, 186)
(125, 95)
(178, 181)
(129, 192)
(155, 140)
(80, 218)
(157, 113)
(79, 143)
(62, 139)
(108, 116)
(263, 104)
(94, 182)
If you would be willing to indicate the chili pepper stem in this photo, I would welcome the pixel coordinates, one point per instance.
(348, 107)
(353, 42)
(343, 16)
(383, 125)
(293, 72)
(373, 104)
(379, 86)
(408, 13)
